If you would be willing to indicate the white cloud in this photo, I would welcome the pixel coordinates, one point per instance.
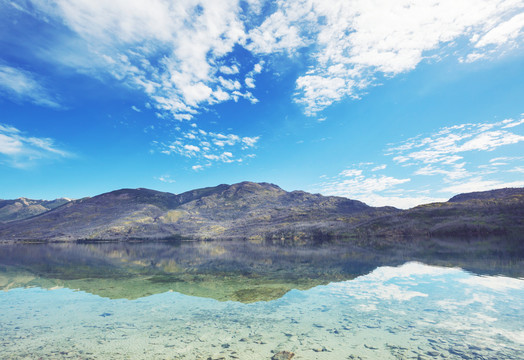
(197, 167)
(279, 31)
(446, 155)
(503, 33)
(229, 70)
(249, 142)
(478, 184)
(357, 41)
(135, 108)
(402, 201)
(351, 172)
(257, 69)
(192, 148)
(362, 185)
(172, 51)
(354, 184)
(442, 153)
(517, 169)
(509, 123)
(24, 86)
(455, 172)
(505, 158)
(250, 82)
(176, 52)
(318, 92)
(379, 167)
(166, 179)
(209, 146)
(22, 151)
(490, 140)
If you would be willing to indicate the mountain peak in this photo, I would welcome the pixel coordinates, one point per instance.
(256, 186)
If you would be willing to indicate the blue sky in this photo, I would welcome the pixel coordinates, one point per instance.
(391, 103)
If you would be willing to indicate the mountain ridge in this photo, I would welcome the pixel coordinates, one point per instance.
(261, 211)
(23, 207)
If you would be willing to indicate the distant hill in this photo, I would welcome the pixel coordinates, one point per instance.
(491, 194)
(494, 212)
(263, 211)
(23, 208)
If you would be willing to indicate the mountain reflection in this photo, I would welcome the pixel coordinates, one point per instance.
(236, 271)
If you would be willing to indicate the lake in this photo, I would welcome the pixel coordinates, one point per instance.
(237, 300)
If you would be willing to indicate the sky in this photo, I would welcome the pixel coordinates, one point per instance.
(388, 102)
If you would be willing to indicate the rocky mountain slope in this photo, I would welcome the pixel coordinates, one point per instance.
(262, 211)
(494, 212)
(23, 208)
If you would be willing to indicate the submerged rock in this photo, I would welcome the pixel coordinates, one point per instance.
(283, 355)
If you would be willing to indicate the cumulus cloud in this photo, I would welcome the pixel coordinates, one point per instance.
(23, 86)
(22, 151)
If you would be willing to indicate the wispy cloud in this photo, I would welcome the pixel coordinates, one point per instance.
(479, 184)
(373, 189)
(22, 151)
(504, 32)
(166, 179)
(23, 86)
(442, 153)
(379, 167)
(456, 158)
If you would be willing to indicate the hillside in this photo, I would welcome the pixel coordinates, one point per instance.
(263, 211)
(494, 212)
(244, 210)
(23, 208)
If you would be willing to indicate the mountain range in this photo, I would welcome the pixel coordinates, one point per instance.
(255, 212)
(22, 208)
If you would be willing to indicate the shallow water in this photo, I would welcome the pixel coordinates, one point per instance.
(137, 301)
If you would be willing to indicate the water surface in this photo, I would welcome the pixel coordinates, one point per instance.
(247, 301)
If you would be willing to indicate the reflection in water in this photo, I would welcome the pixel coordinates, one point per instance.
(326, 302)
(238, 271)
(220, 270)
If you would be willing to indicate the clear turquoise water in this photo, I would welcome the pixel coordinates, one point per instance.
(409, 311)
